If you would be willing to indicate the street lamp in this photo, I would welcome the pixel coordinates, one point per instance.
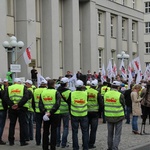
(11, 47)
(123, 56)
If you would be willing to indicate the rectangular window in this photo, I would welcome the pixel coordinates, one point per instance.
(147, 47)
(123, 29)
(112, 26)
(38, 51)
(38, 10)
(60, 55)
(10, 7)
(133, 2)
(147, 7)
(60, 12)
(99, 22)
(147, 27)
(133, 31)
(100, 59)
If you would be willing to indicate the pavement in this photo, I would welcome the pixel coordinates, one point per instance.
(129, 141)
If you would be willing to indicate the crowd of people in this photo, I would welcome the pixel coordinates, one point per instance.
(50, 107)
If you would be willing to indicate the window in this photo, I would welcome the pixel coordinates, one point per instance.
(133, 2)
(147, 27)
(123, 29)
(100, 59)
(38, 10)
(133, 31)
(10, 7)
(60, 55)
(147, 7)
(38, 51)
(60, 12)
(124, 2)
(99, 22)
(112, 26)
(147, 45)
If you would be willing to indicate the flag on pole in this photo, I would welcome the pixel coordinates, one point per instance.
(123, 70)
(40, 78)
(147, 72)
(114, 70)
(27, 55)
(103, 74)
(139, 77)
(130, 78)
(136, 64)
(109, 70)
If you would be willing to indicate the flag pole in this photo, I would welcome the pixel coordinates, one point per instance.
(22, 53)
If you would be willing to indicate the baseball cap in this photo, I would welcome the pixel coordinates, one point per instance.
(64, 80)
(5, 80)
(88, 82)
(116, 83)
(79, 83)
(47, 78)
(28, 81)
(18, 80)
(94, 83)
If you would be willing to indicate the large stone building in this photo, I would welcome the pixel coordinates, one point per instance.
(72, 34)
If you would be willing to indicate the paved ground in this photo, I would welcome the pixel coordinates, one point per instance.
(129, 141)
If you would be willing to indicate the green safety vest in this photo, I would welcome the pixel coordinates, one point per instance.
(37, 93)
(93, 105)
(113, 107)
(1, 105)
(104, 89)
(30, 102)
(79, 103)
(87, 87)
(49, 99)
(16, 92)
(63, 105)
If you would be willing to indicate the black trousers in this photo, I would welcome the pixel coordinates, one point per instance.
(13, 116)
(50, 127)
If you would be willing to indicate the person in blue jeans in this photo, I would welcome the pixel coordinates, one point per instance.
(79, 115)
(136, 107)
(64, 113)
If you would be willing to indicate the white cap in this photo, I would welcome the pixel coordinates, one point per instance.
(43, 81)
(79, 83)
(64, 80)
(47, 78)
(94, 83)
(29, 81)
(5, 80)
(18, 80)
(116, 83)
(88, 82)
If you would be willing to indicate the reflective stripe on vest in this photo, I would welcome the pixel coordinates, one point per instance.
(79, 103)
(113, 107)
(15, 92)
(63, 105)
(30, 101)
(92, 100)
(49, 99)
(37, 93)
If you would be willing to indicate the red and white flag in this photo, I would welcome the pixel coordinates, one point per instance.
(27, 55)
(130, 78)
(114, 70)
(109, 70)
(123, 70)
(139, 77)
(103, 75)
(147, 72)
(136, 64)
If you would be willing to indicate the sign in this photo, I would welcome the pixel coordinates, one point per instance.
(15, 67)
(33, 63)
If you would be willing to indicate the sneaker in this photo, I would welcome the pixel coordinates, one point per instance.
(64, 146)
(11, 143)
(2, 142)
(92, 146)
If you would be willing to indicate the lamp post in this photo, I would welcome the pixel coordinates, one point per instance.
(123, 56)
(11, 47)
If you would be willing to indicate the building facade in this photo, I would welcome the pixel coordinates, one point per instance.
(75, 35)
